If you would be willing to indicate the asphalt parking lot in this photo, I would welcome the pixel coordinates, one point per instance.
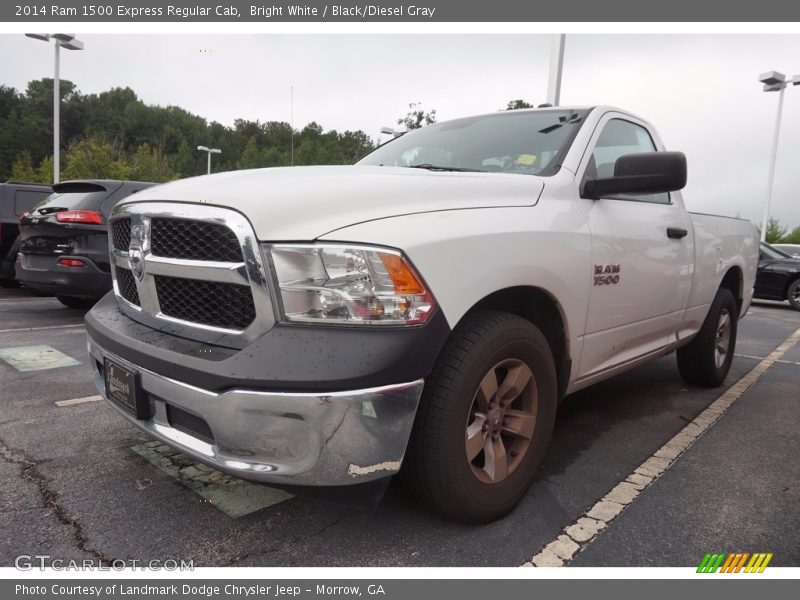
(78, 482)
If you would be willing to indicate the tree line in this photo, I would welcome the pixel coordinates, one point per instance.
(116, 135)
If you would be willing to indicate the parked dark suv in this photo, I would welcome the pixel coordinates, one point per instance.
(16, 198)
(64, 240)
(778, 276)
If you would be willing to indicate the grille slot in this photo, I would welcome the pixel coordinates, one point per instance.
(212, 303)
(121, 234)
(189, 423)
(194, 240)
(127, 285)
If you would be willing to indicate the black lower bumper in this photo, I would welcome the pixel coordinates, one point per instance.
(286, 358)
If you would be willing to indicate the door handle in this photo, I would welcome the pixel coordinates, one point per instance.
(676, 233)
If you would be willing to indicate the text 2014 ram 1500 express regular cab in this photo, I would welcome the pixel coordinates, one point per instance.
(426, 307)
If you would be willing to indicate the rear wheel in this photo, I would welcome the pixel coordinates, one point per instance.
(8, 283)
(793, 294)
(485, 418)
(707, 359)
(75, 302)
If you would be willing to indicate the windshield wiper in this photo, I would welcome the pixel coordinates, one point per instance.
(431, 167)
(48, 210)
(573, 118)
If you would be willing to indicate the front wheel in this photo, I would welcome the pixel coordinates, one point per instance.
(793, 294)
(707, 359)
(485, 418)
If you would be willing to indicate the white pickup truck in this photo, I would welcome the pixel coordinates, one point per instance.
(422, 311)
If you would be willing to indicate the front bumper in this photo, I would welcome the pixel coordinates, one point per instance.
(305, 439)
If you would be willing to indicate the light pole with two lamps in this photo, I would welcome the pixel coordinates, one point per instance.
(774, 82)
(70, 42)
(210, 152)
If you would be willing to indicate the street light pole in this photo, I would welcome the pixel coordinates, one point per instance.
(57, 118)
(774, 81)
(210, 151)
(772, 160)
(556, 68)
(70, 42)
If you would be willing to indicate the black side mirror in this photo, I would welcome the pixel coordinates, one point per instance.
(642, 173)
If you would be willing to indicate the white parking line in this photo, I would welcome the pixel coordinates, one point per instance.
(42, 328)
(78, 401)
(576, 535)
(783, 362)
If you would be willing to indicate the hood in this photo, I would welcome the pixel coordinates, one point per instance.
(303, 203)
(786, 264)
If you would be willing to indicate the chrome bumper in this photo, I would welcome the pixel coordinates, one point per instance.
(308, 439)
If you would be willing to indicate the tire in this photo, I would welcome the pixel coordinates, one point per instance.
(706, 360)
(793, 294)
(462, 402)
(74, 302)
(8, 283)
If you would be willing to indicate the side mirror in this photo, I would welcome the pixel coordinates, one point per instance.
(642, 173)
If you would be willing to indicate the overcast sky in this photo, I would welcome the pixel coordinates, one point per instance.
(700, 91)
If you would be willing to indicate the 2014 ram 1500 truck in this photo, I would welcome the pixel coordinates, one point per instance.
(426, 308)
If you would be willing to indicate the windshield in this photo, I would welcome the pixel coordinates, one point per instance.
(524, 142)
(774, 252)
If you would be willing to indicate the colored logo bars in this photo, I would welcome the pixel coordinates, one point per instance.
(734, 563)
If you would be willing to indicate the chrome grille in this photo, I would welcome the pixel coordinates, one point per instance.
(127, 285)
(224, 305)
(121, 234)
(191, 269)
(194, 240)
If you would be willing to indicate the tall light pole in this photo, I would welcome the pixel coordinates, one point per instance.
(291, 121)
(556, 68)
(210, 152)
(774, 82)
(70, 42)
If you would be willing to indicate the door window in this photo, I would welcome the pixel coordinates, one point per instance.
(618, 138)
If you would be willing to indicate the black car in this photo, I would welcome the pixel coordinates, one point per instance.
(16, 198)
(778, 276)
(64, 240)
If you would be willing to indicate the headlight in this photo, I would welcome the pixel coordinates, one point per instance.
(355, 285)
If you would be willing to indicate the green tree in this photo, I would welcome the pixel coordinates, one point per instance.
(44, 172)
(793, 237)
(22, 169)
(417, 117)
(518, 104)
(251, 157)
(775, 231)
(95, 158)
(185, 162)
(148, 164)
